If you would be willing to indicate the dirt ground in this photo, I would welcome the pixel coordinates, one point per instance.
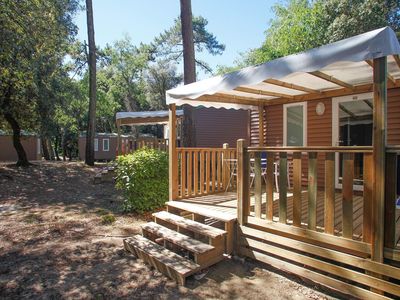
(53, 244)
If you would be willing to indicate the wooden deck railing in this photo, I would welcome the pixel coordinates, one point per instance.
(131, 145)
(203, 171)
(303, 234)
(298, 156)
(391, 218)
(160, 144)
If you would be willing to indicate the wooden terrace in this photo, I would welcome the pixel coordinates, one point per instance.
(345, 239)
(226, 203)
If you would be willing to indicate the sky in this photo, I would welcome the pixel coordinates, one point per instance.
(239, 24)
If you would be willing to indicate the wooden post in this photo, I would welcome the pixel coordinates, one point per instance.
(297, 189)
(312, 190)
(283, 187)
(257, 184)
(347, 191)
(225, 166)
(257, 164)
(367, 195)
(243, 195)
(173, 157)
(270, 187)
(329, 212)
(379, 148)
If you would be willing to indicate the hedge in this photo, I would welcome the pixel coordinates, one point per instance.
(143, 178)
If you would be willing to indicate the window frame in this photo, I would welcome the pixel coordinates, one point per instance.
(96, 145)
(285, 107)
(108, 145)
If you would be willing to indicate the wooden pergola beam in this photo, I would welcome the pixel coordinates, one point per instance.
(327, 94)
(369, 103)
(262, 92)
(332, 79)
(390, 77)
(342, 108)
(223, 98)
(291, 86)
(149, 120)
(232, 99)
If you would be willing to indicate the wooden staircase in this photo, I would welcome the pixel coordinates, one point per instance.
(179, 243)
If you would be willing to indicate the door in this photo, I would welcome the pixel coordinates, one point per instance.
(352, 126)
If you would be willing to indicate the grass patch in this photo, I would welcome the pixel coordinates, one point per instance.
(102, 212)
(108, 219)
(33, 218)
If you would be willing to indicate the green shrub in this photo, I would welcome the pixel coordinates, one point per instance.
(143, 177)
(108, 219)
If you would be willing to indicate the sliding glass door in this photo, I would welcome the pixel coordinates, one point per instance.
(352, 126)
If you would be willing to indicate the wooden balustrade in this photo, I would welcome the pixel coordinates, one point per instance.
(160, 144)
(203, 171)
(391, 195)
(303, 193)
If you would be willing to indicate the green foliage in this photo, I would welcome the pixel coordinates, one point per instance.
(300, 25)
(160, 77)
(168, 44)
(143, 178)
(108, 219)
(34, 40)
(345, 18)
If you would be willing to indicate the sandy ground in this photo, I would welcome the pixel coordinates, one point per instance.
(54, 245)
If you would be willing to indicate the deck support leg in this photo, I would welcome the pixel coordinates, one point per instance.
(243, 197)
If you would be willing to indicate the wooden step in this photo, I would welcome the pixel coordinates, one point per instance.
(167, 262)
(176, 238)
(196, 209)
(190, 225)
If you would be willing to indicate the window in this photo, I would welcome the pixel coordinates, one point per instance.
(96, 145)
(295, 124)
(106, 144)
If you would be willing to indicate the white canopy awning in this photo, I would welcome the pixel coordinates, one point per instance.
(345, 64)
(144, 117)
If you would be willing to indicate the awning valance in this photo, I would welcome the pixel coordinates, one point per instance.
(345, 64)
(144, 117)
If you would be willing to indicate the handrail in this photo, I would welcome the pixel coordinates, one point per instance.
(342, 149)
(203, 148)
(312, 168)
(393, 149)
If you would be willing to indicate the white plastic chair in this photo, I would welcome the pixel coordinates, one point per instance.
(276, 174)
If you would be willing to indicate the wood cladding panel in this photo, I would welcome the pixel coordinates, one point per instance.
(215, 127)
(274, 119)
(393, 117)
(319, 133)
(254, 127)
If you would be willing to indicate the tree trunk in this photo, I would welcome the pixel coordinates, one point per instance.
(90, 134)
(51, 149)
(57, 146)
(45, 148)
(22, 158)
(189, 70)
